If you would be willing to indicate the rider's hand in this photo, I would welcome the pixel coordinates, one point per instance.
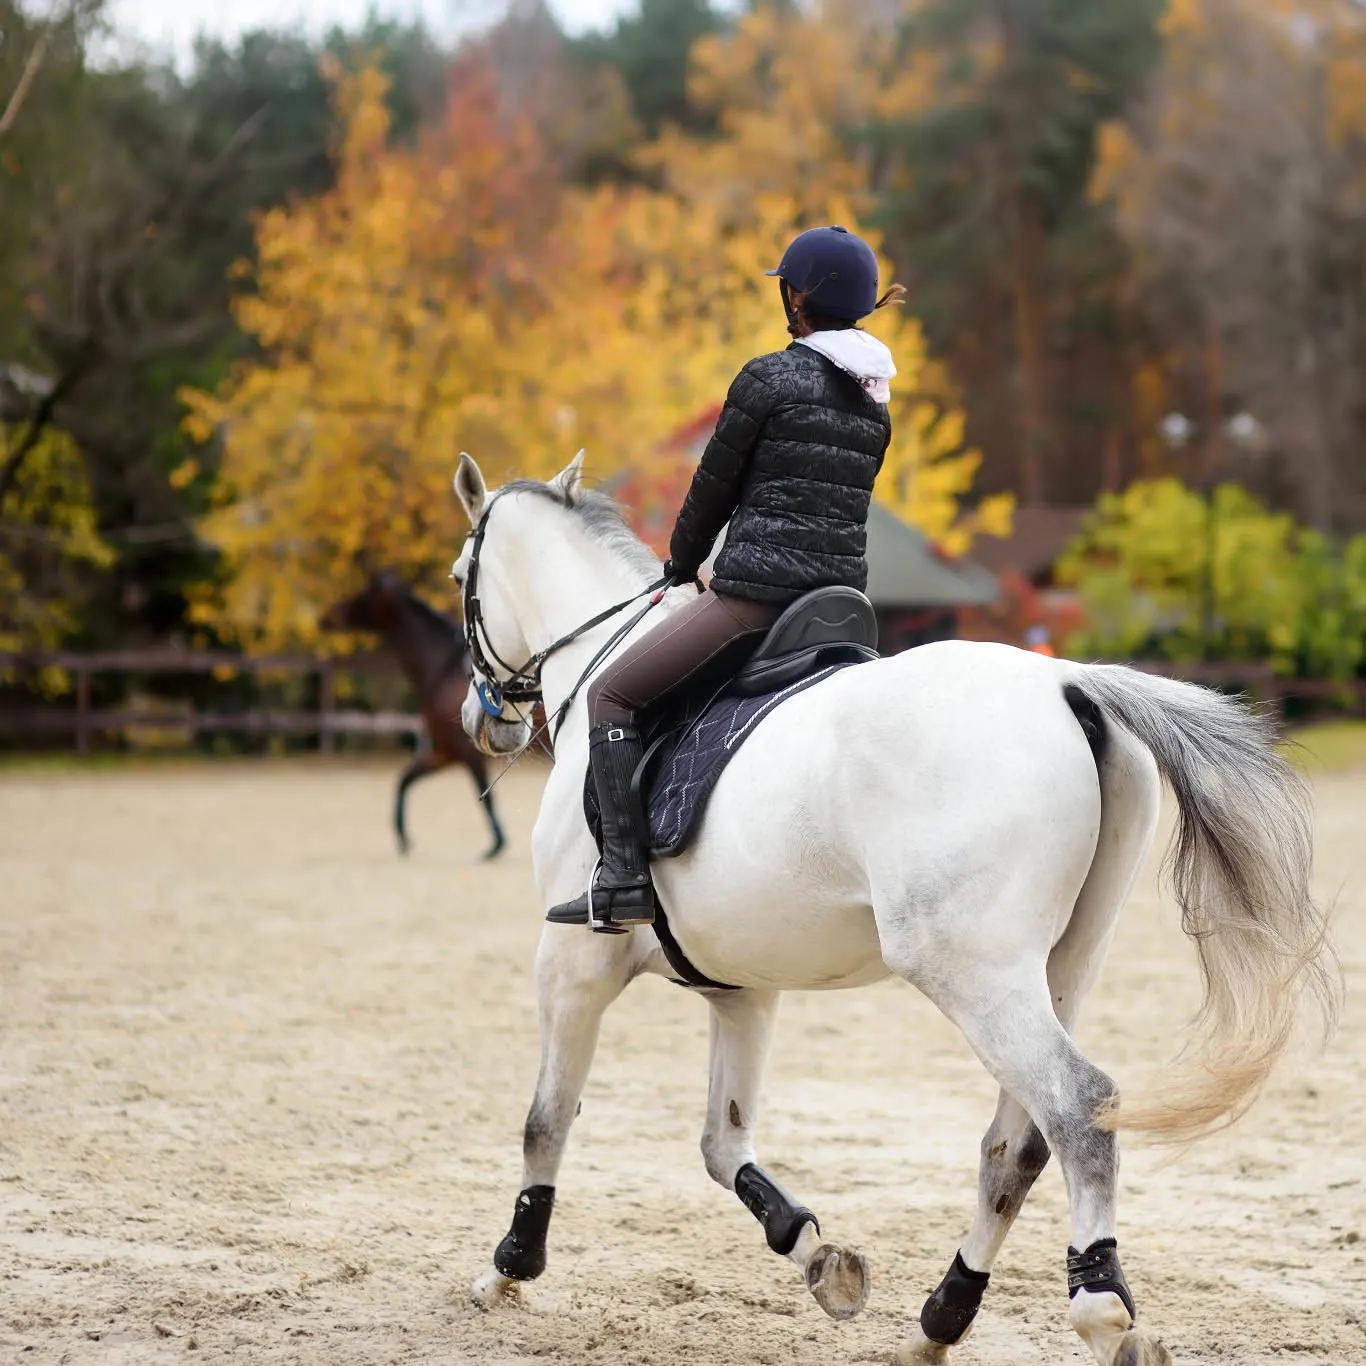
(678, 577)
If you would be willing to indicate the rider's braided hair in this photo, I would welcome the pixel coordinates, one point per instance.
(820, 322)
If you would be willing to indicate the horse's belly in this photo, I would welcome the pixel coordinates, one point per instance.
(783, 952)
(779, 948)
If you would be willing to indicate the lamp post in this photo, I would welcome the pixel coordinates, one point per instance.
(1176, 430)
(1249, 436)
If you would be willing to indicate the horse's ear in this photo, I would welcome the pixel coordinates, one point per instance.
(470, 488)
(570, 480)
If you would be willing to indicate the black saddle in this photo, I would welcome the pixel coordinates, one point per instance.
(690, 738)
(815, 628)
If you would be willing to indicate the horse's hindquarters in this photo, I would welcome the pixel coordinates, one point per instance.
(895, 794)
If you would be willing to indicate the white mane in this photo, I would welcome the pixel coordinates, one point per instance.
(602, 517)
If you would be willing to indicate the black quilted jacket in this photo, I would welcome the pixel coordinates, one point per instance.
(791, 466)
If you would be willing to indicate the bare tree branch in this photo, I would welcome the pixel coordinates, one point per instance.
(41, 418)
(109, 316)
(26, 78)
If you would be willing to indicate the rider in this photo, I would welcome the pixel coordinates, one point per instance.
(791, 467)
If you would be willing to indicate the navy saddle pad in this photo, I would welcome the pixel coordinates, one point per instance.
(687, 750)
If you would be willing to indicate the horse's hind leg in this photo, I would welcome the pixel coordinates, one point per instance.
(577, 978)
(1011, 1025)
(1014, 1152)
(427, 761)
(479, 771)
(741, 1028)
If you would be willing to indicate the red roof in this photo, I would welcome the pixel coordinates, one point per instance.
(688, 435)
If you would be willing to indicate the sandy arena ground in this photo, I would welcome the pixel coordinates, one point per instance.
(262, 1085)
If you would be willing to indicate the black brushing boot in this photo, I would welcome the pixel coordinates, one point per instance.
(622, 894)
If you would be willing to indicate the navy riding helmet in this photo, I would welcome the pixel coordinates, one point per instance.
(834, 269)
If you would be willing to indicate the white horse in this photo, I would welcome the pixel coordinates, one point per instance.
(968, 817)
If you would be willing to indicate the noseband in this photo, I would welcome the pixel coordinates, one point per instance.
(524, 684)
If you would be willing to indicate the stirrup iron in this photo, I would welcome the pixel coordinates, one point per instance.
(594, 924)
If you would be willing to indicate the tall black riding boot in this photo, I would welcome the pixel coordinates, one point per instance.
(622, 894)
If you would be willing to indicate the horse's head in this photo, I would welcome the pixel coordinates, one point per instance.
(374, 608)
(493, 626)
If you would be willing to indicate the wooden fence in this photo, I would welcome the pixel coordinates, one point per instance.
(1263, 684)
(326, 721)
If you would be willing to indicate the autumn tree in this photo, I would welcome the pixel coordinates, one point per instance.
(461, 296)
(1239, 183)
(783, 124)
(576, 102)
(650, 49)
(983, 195)
(792, 136)
(389, 312)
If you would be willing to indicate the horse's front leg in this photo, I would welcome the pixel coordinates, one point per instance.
(578, 975)
(741, 1028)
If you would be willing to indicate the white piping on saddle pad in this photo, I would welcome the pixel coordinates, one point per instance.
(860, 356)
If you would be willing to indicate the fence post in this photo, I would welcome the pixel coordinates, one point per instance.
(327, 696)
(82, 711)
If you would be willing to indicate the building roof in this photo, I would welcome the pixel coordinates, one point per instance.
(1038, 536)
(905, 572)
(694, 435)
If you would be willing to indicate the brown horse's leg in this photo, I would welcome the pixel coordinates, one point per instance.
(426, 762)
(479, 770)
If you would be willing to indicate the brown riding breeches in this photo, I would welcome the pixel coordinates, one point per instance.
(675, 653)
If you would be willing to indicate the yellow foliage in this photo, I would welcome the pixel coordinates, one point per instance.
(1345, 46)
(782, 115)
(1141, 566)
(1182, 18)
(928, 473)
(48, 538)
(456, 297)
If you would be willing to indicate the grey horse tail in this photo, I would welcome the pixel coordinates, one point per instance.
(1240, 864)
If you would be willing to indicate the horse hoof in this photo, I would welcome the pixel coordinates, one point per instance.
(838, 1278)
(493, 1290)
(1138, 1349)
(921, 1351)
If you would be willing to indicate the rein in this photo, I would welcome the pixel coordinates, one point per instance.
(523, 684)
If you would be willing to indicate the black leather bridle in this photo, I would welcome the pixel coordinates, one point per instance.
(523, 684)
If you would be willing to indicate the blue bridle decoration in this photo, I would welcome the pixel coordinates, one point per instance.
(489, 697)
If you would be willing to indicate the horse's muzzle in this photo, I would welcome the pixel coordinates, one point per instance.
(498, 738)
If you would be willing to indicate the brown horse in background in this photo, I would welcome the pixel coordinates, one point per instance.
(431, 650)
